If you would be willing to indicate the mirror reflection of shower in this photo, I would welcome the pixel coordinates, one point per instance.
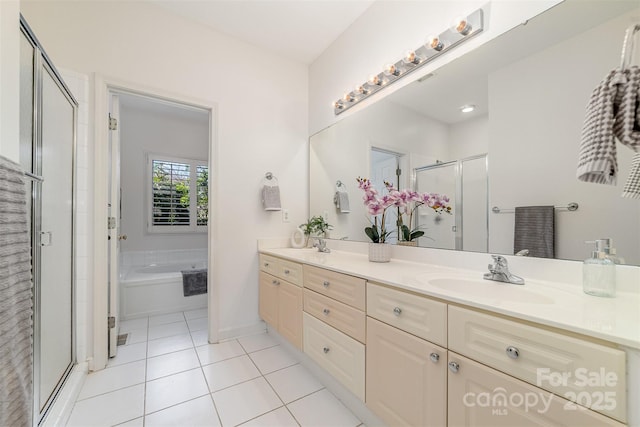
(465, 181)
(386, 166)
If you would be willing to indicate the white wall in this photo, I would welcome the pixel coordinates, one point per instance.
(261, 125)
(384, 32)
(552, 142)
(469, 138)
(159, 131)
(10, 79)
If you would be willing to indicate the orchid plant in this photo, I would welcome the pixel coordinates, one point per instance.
(406, 200)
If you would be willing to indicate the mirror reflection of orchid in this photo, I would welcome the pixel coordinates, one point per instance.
(406, 200)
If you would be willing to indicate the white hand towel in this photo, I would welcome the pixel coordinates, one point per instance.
(271, 198)
(341, 199)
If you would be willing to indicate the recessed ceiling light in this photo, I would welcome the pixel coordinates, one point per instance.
(467, 108)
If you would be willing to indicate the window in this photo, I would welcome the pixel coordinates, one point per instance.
(173, 182)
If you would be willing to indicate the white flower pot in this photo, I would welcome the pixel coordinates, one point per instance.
(379, 252)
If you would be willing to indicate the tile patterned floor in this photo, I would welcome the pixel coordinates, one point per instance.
(167, 375)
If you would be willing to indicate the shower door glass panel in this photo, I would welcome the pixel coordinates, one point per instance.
(475, 204)
(56, 258)
(439, 229)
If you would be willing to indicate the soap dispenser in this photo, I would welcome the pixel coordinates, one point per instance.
(599, 271)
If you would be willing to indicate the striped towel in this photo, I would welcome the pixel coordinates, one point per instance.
(611, 112)
(632, 186)
(535, 230)
(16, 311)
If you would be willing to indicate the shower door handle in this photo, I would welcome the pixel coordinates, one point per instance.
(122, 237)
(454, 228)
(46, 238)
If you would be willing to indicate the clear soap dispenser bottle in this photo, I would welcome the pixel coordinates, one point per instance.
(599, 271)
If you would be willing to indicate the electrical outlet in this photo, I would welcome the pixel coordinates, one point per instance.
(285, 215)
(325, 215)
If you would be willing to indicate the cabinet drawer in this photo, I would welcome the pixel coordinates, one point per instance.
(340, 355)
(543, 358)
(269, 264)
(347, 289)
(290, 271)
(417, 315)
(341, 316)
(481, 396)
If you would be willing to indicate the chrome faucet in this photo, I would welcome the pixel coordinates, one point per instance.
(499, 271)
(321, 244)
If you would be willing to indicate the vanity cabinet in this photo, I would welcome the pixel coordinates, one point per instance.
(481, 396)
(406, 377)
(280, 301)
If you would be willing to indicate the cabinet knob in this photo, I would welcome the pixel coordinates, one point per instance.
(325, 283)
(266, 264)
(286, 272)
(397, 311)
(276, 282)
(326, 350)
(326, 311)
(434, 357)
(512, 352)
(454, 367)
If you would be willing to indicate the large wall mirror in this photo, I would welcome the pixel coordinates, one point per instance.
(519, 147)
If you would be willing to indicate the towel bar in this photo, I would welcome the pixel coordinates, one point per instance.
(573, 206)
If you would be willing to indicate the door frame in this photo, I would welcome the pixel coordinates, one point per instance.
(103, 87)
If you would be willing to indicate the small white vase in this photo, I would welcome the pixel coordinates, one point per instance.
(379, 252)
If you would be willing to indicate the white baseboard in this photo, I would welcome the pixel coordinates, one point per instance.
(63, 405)
(350, 400)
(230, 333)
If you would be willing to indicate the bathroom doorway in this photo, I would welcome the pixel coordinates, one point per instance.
(158, 205)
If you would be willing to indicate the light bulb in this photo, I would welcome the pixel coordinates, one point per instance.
(348, 97)
(338, 105)
(467, 108)
(361, 90)
(433, 42)
(391, 70)
(461, 25)
(374, 80)
(410, 57)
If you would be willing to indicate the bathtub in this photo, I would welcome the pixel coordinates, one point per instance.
(148, 290)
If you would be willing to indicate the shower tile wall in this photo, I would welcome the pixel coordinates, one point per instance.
(79, 86)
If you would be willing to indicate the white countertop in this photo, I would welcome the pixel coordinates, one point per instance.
(559, 305)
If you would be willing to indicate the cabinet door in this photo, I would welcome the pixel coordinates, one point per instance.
(268, 303)
(290, 313)
(482, 396)
(405, 387)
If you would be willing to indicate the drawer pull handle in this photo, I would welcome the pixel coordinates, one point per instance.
(397, 311)
(326, 350)
(275, 282)
(266, 264)
(326, 311)
(286, 272)
(454, 367)
(325, 284)
(513, 352)
(434, 357)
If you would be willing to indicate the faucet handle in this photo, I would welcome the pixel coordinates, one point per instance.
(499, 260)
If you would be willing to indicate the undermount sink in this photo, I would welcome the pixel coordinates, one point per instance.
(491, 290)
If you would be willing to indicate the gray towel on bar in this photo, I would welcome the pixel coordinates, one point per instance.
(535, 230)
(194, 282)
(611, 113)
(632, 186)
(16, 311)
(271, 197)
(341, 200)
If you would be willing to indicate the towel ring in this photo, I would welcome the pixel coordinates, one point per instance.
(340, 185)
(270, 179)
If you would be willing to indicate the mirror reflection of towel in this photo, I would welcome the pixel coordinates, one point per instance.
(271, 198)
(194, 282)
(535, 230)
(341, 200)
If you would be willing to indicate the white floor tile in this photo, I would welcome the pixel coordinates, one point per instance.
(280, 417)
(136, 335)
(174, 389)
(129, 353)
(212, 353)
(230, 372)
(129, 325)
(200, 337)
(172, 363)
(138, 422)
(245, 401)
(169, 345)
(322, 409)
(272, 359)
(257, 342)
(167, 330)
(293, 383)
(111, 379)
(197, 412)
(109, 409)
(196, 314)
(166, 318)
(199, 324)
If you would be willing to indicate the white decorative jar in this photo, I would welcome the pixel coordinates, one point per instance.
(379, 252)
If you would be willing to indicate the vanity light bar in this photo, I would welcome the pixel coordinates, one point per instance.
(461, 30)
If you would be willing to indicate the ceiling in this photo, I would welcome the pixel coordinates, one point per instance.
(299, 30)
